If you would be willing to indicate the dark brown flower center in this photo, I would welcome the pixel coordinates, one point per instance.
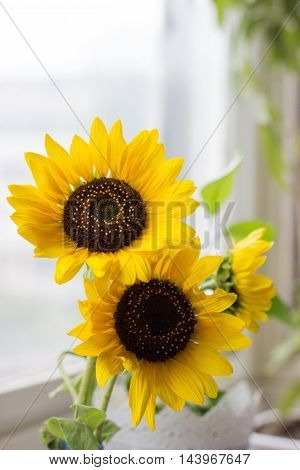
(154, 320)
(104, 215)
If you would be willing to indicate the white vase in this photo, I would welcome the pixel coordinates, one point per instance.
(228, 425)
(263, 440)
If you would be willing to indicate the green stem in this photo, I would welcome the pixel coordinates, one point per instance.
(87, 378)
(90, 395)
(108, 392)
(105, 401)
(68, 382)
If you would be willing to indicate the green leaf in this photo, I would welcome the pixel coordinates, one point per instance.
(108, 430)
(210, 403)
(217, 191)
(290, 398)
(52, 442)
(281, 311)
(242, 229)
(159, 407)
(78, 436)
(272, 150)
(53, 426)
(46, 436)
(93, 417)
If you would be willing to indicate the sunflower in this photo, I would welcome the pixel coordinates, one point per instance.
(254, 291)
(105, 203)
(163, 330)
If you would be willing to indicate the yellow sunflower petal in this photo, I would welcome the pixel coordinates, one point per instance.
(62, 159)
(102, 283)
(23, 190)
(206, 359)
(41, 219)
(96, 345)
(250, 239)
(85, 308)
(90, 347)
(140, 390)
(115, 148)
(91, 290)
(183, 381)
(130, 362)
(244, 261)
(81, 331)
(202, 269)
(26, 197)
(182, 263)
(209, 384)
(150, 412)
(68, 266)
(54, 250)
(253, 326)
(221, 331)
(82, 158)
(216, 302)
(106, 367)
(166, 393)
(46, 177)
(139, 156)
(133, 266)
(98, 144)
(179, 191)
(54, 150)
(35, 201)
(174, 233)
(38, 235)
(255, 283)
(156, 180)
(99, 263)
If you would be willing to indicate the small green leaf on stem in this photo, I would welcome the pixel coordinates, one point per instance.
(108, 430)
(53, 426)
(217, 191)
(78, 436)
(211, 402)
(88, 415)
(281, 311)
(242, 229)
(48, 439)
